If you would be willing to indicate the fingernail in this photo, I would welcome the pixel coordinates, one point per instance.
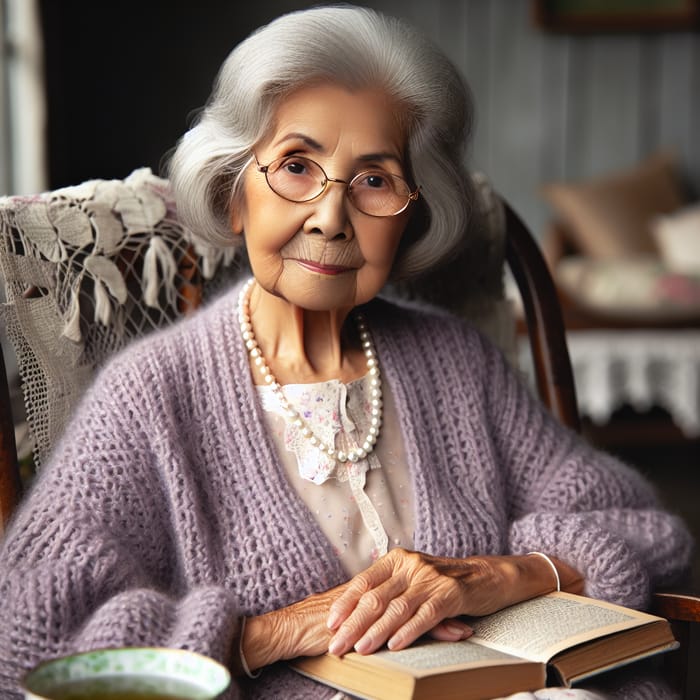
(393, 643)
(336, 647)
(363, 646)
(333, 619)
(461, 631)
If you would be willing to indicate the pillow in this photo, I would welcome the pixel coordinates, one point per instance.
(639, 288)
(610, 217)
(678, 239)
(86, 269)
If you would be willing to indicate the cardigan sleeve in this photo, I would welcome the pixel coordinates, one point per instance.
(89, 560)
(575, 502)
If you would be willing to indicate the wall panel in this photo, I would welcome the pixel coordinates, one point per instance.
(611, 115)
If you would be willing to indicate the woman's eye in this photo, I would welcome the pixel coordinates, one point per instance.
(375, 181)
(295, 167)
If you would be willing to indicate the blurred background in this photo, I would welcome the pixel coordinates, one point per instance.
(587, 122)
(122, 81)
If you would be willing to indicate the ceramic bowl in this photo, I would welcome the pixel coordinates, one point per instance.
(128, 672)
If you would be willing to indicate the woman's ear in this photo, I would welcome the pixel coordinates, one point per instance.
(235, 219)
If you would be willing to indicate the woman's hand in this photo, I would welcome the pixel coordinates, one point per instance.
(406, 594)
(396, 600)
(299, 629)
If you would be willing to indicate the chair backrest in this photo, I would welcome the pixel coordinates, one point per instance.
(86, 269)
(472, 285)
(544, 320)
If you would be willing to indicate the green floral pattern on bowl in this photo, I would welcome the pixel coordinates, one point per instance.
(159, 670)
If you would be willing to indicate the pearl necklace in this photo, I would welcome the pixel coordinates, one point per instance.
(293, 415)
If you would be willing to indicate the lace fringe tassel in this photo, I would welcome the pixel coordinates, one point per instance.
(159, 270)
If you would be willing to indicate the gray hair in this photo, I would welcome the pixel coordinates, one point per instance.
(351, 46)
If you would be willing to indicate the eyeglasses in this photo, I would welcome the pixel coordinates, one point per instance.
(374, 192)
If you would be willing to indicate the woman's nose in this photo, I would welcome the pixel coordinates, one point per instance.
(330, 213)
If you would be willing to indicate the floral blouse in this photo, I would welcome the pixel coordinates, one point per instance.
(364, 508)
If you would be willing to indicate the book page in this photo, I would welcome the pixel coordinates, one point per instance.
(538, 629)
(430, 655)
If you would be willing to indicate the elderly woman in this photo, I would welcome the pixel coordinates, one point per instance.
(301, 467)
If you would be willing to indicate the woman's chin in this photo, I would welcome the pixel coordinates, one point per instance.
(318, 291)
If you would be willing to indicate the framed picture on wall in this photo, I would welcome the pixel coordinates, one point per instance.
(616, 15)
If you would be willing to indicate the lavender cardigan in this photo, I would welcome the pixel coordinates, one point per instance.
(164, 515)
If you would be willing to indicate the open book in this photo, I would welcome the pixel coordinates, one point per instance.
(559, 637)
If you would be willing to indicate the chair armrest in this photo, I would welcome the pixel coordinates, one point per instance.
(681, 609)
(684, 607)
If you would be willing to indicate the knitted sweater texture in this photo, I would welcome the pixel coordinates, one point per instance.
(164, 516)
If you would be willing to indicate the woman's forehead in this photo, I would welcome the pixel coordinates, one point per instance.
(322, 118)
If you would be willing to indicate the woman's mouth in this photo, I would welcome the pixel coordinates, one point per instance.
(323, 268)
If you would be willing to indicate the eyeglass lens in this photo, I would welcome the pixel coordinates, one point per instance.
(373, 192)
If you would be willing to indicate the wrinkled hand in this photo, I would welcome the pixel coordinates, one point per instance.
(399, 598)
(298, 629)
(406, 594)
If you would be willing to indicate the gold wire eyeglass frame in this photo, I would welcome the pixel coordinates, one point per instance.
(411, 196)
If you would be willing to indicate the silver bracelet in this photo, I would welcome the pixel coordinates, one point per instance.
(244, 663)
(551, 563)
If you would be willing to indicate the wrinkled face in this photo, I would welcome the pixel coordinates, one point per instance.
(324, 254)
